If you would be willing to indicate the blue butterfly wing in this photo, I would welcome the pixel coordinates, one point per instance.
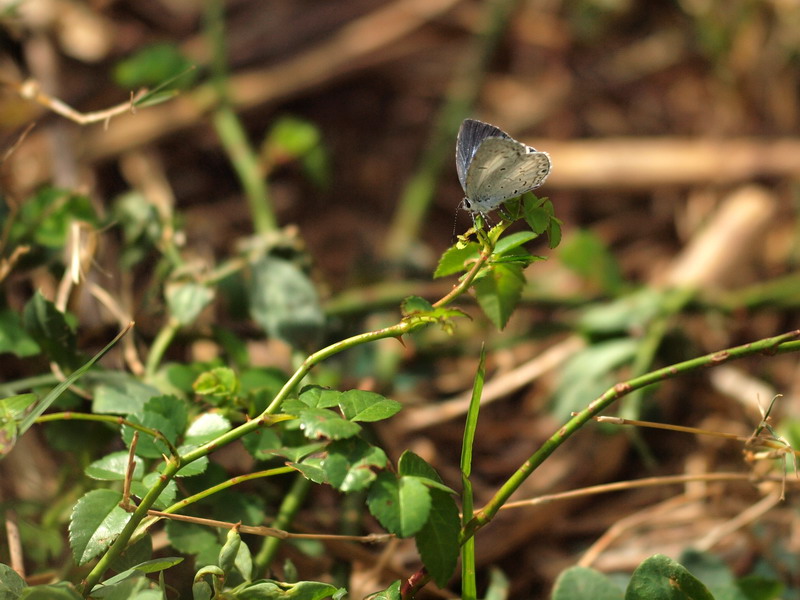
(470, 136)
(501, 169)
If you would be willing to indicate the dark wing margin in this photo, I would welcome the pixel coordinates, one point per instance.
(470, 136)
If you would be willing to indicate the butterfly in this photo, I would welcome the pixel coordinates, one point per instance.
(494, 167)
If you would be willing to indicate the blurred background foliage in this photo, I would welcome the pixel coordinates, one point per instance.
(315, 140)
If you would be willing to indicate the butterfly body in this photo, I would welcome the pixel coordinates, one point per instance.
(493, 167)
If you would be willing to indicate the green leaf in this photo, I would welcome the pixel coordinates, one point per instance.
(415, 304)
(141, 227)
(95, 523)
(205, 428)
(350, 464)
(51, 396)
(45, 218)
(536, 215)
(13, 337)
(390, 593)
(554, 233)
(437, 541)
(756, 587)
(193, 468)
(114, 466)
(442, 315)
(49, 328)
(165, 498)
(582, 582)
(360, 405)
(315, 396)
(498, 587)
(55, 591)
(317, 166)
(259, 386)
(415, 466)
(12, 410)
(587, 255)
(134, 554)
(189, 538)
(296, 453)
(517, 256)
(201, 591)
(262, 443)
(134, 586)
(11, 584)
(710, 569)
(661, 578)
(401, 505)
(588, 373)
(720, 580)
(218, 383)
(151, 65)
(323, 423)
(15, 407)
(166, 414)
(311, 469)
(121, 394)
(247, 508)
(285, 302)
(274, 590)
(540, 217)
(514, 240)
(187, 300)
(292, 137)
(629, 312)
(244, 562)
(455, 259)
(149, 566)
(499, 291)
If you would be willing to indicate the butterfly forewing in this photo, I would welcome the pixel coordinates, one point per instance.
(501, 169)
(470, 136)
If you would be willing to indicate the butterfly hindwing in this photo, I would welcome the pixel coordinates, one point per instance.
(502, 168)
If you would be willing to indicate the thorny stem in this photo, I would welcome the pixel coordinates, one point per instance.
(773, 345)
(407, 325)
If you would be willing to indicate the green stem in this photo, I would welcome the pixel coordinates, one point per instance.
(245, 163)
(14, 387)
(418, 194)
(672, 303)
(469, 589)
(122, 540)
(113, 419)
(230, 130)
(395, 331)
(289, 507)
(773, 345)
(407, 325)
(225, 485)
(159, 347)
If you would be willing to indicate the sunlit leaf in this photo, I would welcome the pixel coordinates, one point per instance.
(455, 259)
(499, 291)
(437, 541)
(96, 521)
(583, 582)
(402, 505)
(360, 405)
